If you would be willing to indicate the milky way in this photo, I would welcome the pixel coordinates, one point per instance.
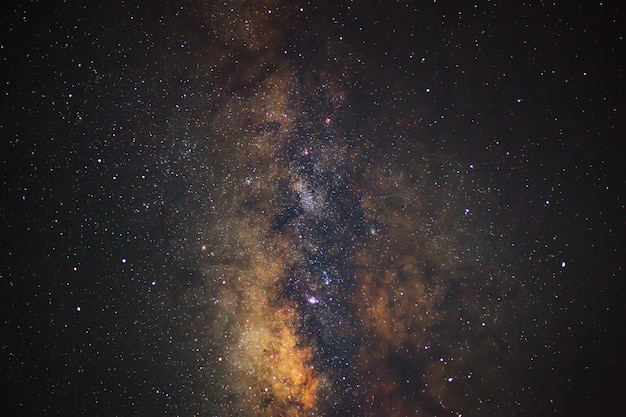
(271, 208)
(344, 260)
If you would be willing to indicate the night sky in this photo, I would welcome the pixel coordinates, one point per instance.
(333, 208)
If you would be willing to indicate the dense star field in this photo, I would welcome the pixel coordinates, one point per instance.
(334, 208)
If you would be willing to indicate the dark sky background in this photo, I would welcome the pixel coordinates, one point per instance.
(266, 208)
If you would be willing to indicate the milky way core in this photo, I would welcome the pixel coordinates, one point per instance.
(331, 261)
